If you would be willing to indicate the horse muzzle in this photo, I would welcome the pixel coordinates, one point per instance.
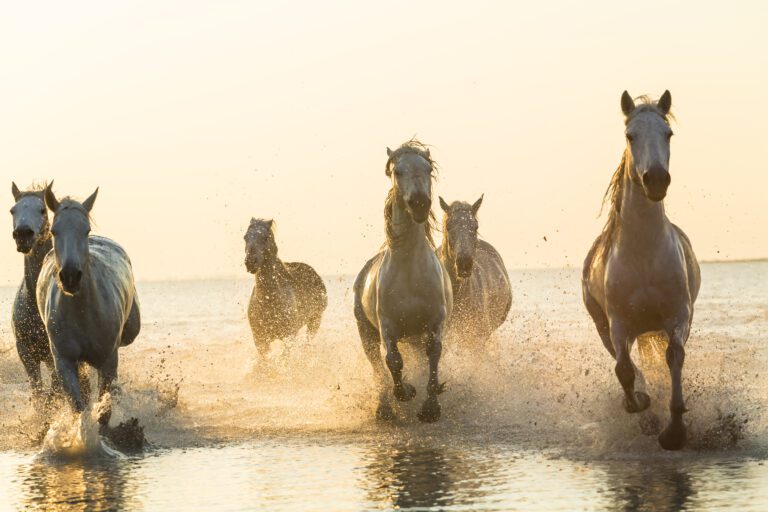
(464, 265)
(655, 183)
(70, 279)
(252, 264)
(419, 206)
(24, 238)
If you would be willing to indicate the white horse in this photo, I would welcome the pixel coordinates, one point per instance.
(641, 275)
(404, 292)
(87, 299)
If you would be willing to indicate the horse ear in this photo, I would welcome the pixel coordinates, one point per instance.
(665, 102)
(389, 151)
(271, 223)
(88, 203)
(15, 190)
(426, 150)
(627, 103)
(50, 198)
(477, 204)
(443, 204)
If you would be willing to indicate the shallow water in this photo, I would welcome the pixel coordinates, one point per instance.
(532, 420)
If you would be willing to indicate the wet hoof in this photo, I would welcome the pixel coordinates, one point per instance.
(642, 402)
(673, 437)
(384, 412)
(430, 411)
(405, 392)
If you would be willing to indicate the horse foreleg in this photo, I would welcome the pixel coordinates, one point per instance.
(107, 375)
(634, 401)
(673, 437)
(32, 367)
(430, 410)
(402, 390)
(67, 370)
(371, 346)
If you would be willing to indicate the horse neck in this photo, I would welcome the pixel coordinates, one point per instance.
(272, 273)
(641, 219)
(445, 255)
(33, 262)
(404, 236)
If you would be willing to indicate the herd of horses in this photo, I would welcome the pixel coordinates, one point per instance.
(77, 304)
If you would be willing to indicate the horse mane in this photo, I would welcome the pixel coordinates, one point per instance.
(615, 190)
(416, 147)
(35, 189)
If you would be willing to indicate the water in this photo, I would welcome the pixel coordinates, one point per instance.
(532, 421)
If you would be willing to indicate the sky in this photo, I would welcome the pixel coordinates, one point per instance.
(193, 117)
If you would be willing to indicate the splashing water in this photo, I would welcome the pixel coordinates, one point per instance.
(75, 435)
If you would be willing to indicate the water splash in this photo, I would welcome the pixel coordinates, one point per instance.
(76, 435)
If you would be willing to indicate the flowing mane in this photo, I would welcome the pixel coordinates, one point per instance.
(416, 147)
(615, 190)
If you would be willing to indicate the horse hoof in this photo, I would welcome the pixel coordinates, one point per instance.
(430, 411)
(673, 437)
(642, 402)
(384, 412)
(405, 392)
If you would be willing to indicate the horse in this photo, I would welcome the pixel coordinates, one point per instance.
(87, 300)
(641, 275)
(31, 232)
(482, 294)
(404, 292)
(285, 296)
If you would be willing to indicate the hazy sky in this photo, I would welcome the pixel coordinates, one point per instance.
(192, 117)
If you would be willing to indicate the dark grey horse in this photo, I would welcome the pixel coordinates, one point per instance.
(641, 275)
(31, 231)
(404, 293)
(87, 299)
(286, 296)
(482, 294)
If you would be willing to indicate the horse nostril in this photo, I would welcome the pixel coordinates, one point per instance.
(22, 233)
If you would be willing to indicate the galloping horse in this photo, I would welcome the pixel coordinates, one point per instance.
(482, 294)
(641, 275)
(31, 232)
(404, 292)
(87, 299)
(286, 296)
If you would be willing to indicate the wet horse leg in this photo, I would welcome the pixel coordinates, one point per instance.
(402, 390)
(634, 401)
(371, 346)
(107, 375)
(32, 367)
(67, 370)
(673, 437)
(430, 410)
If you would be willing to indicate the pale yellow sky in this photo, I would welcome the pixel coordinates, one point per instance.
(192, 117)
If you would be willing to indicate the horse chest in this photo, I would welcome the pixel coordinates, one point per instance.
(273, 312)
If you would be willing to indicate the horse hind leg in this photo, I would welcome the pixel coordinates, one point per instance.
(371, 346)
(313, 324)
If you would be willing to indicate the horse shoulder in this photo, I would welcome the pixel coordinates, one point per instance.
(366, 286)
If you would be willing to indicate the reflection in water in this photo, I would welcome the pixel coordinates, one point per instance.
(98, 484)
(381, 472)
(650, 485)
